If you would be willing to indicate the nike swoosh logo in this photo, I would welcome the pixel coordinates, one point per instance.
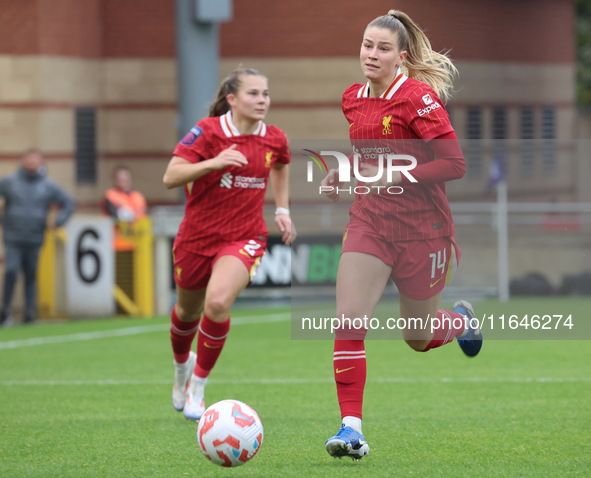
(345, 369)
(432, 284)
(211, 346)
(241, 251)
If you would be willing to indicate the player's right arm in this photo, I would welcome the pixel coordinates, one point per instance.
(330, 185)
(181, 171)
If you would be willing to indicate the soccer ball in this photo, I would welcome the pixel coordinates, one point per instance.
(230, 433)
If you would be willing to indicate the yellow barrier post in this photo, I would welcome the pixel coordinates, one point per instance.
(125, 302)
(46, 277)
(143, 266)
(46, 273)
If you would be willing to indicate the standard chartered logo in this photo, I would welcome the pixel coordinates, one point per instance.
(244, 182)
(226, 181)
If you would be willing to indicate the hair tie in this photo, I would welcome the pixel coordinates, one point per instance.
(394, 15)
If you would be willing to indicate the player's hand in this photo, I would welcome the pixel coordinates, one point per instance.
(229, 157)
(286, 226)
(330, 181)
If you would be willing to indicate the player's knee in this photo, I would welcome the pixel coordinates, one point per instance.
(217, 306)
(187, 315)
(417, 345)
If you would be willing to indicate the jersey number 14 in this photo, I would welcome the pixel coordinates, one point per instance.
(436, 262)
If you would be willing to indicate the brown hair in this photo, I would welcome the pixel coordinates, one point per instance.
(421, 62)
(230, 86)
(119, 168)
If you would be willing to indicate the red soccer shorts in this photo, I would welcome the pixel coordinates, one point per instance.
(420, 269)
(192, 271)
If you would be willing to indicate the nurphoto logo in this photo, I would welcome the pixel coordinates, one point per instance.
(383, 155)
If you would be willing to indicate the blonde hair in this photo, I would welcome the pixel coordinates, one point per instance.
(230, 86)
(421, 62)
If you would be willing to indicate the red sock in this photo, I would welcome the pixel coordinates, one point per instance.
(450, 325)
(350, 370)
(181, 336)
(210, 342)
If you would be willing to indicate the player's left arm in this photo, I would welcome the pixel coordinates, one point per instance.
(279, 176)
(430, 122)
(449, 165)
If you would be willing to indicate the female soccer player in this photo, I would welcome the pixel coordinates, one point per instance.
(224, 163)
(405, 232)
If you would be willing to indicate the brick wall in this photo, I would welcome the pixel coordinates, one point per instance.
(18, 27)
(499, 30)
(88, 28)
(138, 28)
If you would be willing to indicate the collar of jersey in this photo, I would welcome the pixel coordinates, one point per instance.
(230, 130)
(389, 93)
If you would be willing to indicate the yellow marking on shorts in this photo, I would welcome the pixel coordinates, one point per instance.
(254, 267)
(434, 283)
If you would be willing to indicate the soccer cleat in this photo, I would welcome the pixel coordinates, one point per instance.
(195, 404)
(182, 378)
(347, 442)
(471, 340)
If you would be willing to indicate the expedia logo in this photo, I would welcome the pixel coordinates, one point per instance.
(428, 109)
(427, 99)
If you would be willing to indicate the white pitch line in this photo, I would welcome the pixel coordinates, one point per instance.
(295, 381)
(142, 329)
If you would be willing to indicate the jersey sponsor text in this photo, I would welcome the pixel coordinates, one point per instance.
(428, 109)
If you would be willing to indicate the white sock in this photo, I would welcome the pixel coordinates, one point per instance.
(180, 373)
(353, 422)
(180, 366)
(197, 386)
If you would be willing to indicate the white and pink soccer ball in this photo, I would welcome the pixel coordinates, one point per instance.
(230, 433)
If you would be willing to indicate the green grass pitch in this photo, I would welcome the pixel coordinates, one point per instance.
(101, 407)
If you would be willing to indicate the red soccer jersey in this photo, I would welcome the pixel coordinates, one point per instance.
(226, 205)
(408, 110)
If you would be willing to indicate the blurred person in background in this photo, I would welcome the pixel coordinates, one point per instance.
(224, 163)
(124, 205)
(408, 234)
(28, 196)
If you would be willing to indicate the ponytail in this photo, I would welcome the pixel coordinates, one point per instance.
(220, 105)
(421, 62)
(230, 86)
